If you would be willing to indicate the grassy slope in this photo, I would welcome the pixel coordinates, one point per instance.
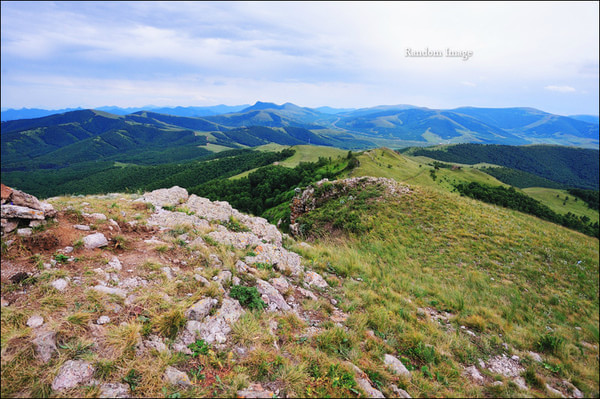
(304, 153)
(548, 197)
(387, 163)
(507, 276)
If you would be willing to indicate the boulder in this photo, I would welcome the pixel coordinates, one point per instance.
(214, 329)
(95, 240)
(282, 259)
(237, 240)
(35, 321)
(363, 382)
(396, 365)
(71, 374)
(9, 225)
(114, 390)
(255, 391)
(166, 196)
(201, 309)
(25, 232)
(314, 279)
(27, 200)
(176, 377)
(115, 263)
(60, 284)
(20, 212)
(274, 299)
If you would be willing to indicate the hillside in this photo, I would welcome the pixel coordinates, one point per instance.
(400, 290)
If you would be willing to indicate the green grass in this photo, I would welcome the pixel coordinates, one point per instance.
(506, 275)
(548, 196)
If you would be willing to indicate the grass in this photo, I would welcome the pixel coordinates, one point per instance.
(555, 200)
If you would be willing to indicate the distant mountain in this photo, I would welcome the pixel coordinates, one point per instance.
(586, 118)
(28, 113)
(329, 110)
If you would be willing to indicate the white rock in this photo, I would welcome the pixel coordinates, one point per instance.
(176, 377)
(98, 216)
(60, 284)
(115, 263)
(71, 374)
(472, 372)
(201, 309)
(81, 227)
(274, 299)
(520, 383)
(396, 365)
(314, 279)
(103, 320)
(25, 232)
(555, 392)
(110, 290)
(45, 344)
(20, 212)
(166, 196)
(114, 390)
(35, 321)
(95, 240)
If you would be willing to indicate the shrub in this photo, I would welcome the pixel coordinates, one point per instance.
(550, 343)
(248, 297)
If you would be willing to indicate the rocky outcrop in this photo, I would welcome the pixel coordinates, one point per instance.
(166, 196)
(21, 209)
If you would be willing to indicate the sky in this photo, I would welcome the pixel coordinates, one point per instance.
(340, 54)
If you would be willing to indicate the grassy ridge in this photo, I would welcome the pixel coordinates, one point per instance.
(555, 200)
(507, 276)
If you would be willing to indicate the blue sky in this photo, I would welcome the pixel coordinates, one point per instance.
(341, 54)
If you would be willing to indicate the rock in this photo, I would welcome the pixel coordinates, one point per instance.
(396, 365)
(168, 219)
(68, 249)
(5, 193)
(168, 272)
(156, 343)
(110, 290)
(255, 391)
(197, 242)
(201, 309)
(223, 277)
(217, 210)
(241, 267)
(308, 294)
(20, 198)
(9, 225)
(472, 372)
(214, 260)
(520, 383)
(115, 263)
(237, 240)
(81, 227)
(535, 357)
(114, 390)
(280, 284)
(95, 240)
(554, 392)
(282, 259)
(35, 321)
(176, 377)
(103, 320)
(25, 232)
(201, 279)
(573, 391)
(262, 229)
(505, 366)
(45, 344)
(400, 392)
(166, 196)
(314, 279)
(49, 211)
(214, 329)
(98, 216)
(60, 284)
(36, 223)
(364, 383)
(71, 374)
(274, 299)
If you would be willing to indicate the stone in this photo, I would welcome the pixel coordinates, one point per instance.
(214, 260)
(197, 242)
(68, 249)
(35, 321)
(474, 374)
(573, 391)
(396, 365)
(201, 279)
(49, 211)
(9, 225)
(214, 329)
(363, 382)
(505, 366)
(115, 263)
(536, 357)
(217, 210)
(114, 390)
(98, 216)
(237, 240)
(255, 391)
(280, 284)
(554, 392)
(520, 383)
(95, 240)
(200, 309)
(81, 227)
(26, 200)
(282, 259)
(166, 196)
(176, 377)
(274, 299)
(110, 290)
(60, 284)
(400, 392)
(45, 344)
(314, 279)
(25, 232)
(71, 374)
(156, 343)
(103, 320)
(168, 219)
(223, 277)
(36, 223)
(6, 193)
(307, 294)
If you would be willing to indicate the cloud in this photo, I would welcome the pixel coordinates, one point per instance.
(561, 89)
(467, 83)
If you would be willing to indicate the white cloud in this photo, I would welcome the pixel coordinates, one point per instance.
(561, 89)
(467, 83)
